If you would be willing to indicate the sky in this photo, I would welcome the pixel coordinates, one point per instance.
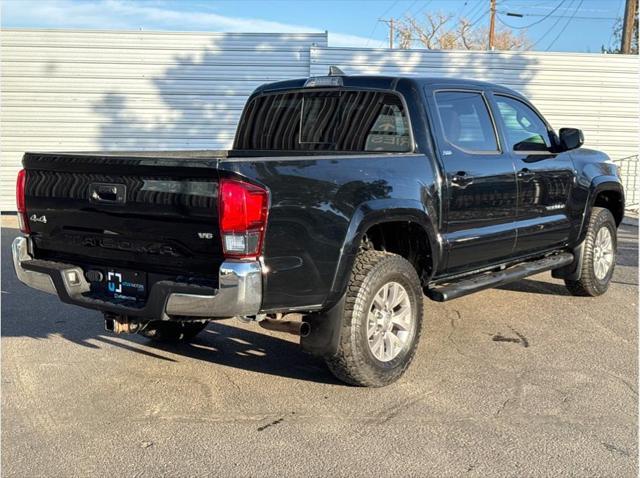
(553, 25)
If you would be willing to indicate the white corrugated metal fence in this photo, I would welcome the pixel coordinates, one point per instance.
(88, 90)
(84, 90)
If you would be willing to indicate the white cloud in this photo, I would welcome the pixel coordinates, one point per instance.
(131, 15)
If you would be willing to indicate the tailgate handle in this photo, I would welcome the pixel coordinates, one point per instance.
(107, 193)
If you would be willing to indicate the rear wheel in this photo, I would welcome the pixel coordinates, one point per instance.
(172, 331)
(599, 258)
(382, 321)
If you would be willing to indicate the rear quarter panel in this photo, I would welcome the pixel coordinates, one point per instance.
(318, 208)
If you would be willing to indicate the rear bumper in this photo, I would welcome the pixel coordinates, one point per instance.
(239, 291)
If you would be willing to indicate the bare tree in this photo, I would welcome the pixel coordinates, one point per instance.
(441, 31)
(616, 37)
(464, 33)
(405, 38)
(504, 39)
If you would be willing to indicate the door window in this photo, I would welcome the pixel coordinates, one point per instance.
(466, 122)
(525, 130)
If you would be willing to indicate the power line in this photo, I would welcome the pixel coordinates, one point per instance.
(571, 16)
(424, 7)
(409, 8)
(527, 5)
(620, 5)
(566, 25)
(544, 35)
(483, 14)
(534, 23)
(375, 27)
(390, 8)
(466, 3)
(476, 9)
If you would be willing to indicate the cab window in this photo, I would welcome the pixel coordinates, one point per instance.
(329, 120)
(525, 130)
(466, 122)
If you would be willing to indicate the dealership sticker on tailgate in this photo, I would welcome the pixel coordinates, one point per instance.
(126, 284)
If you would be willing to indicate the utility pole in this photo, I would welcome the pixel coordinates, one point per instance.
(390, 22)
(492, 24)
(627, 25)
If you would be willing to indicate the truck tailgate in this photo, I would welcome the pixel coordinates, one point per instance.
(152, 211)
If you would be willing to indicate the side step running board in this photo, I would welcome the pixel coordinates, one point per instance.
(488, 280)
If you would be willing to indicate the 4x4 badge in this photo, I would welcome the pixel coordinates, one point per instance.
(35, 218)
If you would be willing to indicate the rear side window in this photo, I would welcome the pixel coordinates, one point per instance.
(354, 121)
(525, 130)
(466, 122)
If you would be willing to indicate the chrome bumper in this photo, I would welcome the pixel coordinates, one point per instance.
(35, 280)
(239, 290)
(239, 294)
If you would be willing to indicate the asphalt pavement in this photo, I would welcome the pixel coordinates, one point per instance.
(524, 380)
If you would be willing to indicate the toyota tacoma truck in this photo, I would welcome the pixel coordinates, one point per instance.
(344, 200)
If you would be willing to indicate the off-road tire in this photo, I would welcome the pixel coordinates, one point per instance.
(354, 363)
(172, 331)
(588, 284)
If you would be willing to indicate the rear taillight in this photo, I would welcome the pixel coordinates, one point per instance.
(243, 217)
(20, 202)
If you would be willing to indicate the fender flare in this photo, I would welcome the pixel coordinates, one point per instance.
(372, 213)
(598, 185)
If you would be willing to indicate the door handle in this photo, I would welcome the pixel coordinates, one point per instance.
(461, 180)
(107, 193)
(525, 174)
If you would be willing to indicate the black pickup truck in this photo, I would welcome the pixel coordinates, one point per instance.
(344, 199)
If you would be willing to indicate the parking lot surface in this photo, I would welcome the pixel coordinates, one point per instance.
(524, 380)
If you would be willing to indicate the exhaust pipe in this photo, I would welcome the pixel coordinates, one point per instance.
(300, 329)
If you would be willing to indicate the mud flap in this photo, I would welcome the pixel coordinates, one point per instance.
(326, 327)
(573, 270)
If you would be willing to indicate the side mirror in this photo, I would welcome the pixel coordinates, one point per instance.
(571, 138)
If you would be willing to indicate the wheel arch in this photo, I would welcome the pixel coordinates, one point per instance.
(610, 196)
(606, 192)
(378, 215)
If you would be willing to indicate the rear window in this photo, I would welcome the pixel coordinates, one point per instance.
(355, 121)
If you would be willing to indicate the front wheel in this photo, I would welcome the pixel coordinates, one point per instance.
(599, 258)
(382, 321)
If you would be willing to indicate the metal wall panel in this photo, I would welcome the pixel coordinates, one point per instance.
(94, 90)
(594, 92)
(91, 90)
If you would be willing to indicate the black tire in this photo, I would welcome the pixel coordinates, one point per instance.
(588, 284)
(354, 361)
(172, 331)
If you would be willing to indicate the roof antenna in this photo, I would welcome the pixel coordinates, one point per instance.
(335, 71)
